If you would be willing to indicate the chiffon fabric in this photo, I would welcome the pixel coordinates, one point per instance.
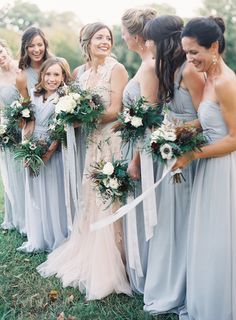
(165, 286)
(12, 174)
(211, 255)
(93, 260)
(45, 210)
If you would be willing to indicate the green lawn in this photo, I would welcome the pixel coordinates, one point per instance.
(24, 295)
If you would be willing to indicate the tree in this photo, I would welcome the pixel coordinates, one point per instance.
(227, 10)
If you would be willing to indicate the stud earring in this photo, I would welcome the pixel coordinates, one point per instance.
(214, 60)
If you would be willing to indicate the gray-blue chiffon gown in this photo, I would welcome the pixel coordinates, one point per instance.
(165, 287)
(137, 281)
(12, 175)
(46, 220)
(211, 254)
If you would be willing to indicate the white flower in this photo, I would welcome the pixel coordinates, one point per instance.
(66, 104)
(3, 128)
(170, 135)
(136, 121)
(75, 96)
(24, 142)
(108, 169)
(52, 127)
(144, 106)
(25, 113)
(166, 151)
(127, 118)
(114, 183)
(157, 134)
(5, 140)
(33, 146)
(16, 104)
(106, 182)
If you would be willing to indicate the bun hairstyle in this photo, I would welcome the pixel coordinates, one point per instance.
(206, 30)
(135, 19)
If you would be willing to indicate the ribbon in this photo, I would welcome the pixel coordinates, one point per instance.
(128, 207)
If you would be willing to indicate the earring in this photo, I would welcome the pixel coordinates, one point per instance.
(214, 60)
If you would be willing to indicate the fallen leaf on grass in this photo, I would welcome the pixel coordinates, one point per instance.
(53, 295)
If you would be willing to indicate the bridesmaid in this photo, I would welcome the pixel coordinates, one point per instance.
(180, 88)
(92, 260)
(211, 258)
(12, 175)
(144, 83)
(46, 221)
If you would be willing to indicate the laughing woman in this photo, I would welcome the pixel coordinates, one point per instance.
(92, 260)
(211, 258)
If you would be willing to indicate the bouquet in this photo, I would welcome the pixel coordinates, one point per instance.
(57, 130)
(136, 118)
(10, 136)
(18, 111)
(31, 152)
(172, 140)
(79, 106)
(112, 181)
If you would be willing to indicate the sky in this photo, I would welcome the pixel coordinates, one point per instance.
(110, 11)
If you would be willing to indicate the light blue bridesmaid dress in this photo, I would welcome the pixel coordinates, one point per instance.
(12, 175)
(46, 220)
(211, 255)
(165, 287)
(137, 281)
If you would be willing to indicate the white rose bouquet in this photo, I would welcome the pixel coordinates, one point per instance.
(112, 181)
(172, 140)
(19, 111)
(136, 118)
(31, 152)
(79, 106)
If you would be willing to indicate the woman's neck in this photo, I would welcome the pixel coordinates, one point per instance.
(35, 65)
(96, 63)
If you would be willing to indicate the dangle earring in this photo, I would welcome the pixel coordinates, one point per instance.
(214, 60)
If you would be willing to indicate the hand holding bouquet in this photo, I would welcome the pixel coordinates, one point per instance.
(31, 152)
(136, 118)
(18, 112)
(112, 181)
(79, 106)
(172, 140)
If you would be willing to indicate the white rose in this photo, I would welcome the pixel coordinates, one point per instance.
(66, 104)
(136, 121)
(3, 128)
(25, 113)
(170, 135)
(75, 96)
(16, 104)
(108, 169)
(157, 134)
(114, 183)
(25, 142)
(166, 151)
(106, 182)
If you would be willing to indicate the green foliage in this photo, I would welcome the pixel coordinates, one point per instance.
(227, 10)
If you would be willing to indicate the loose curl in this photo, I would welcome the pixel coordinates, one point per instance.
(26, 40)
(165, 31)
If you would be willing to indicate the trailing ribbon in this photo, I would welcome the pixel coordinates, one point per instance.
(128, 207)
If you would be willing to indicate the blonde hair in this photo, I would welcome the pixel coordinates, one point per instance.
(135, 19)
(86, 34)
(4, 44)
(43, 69)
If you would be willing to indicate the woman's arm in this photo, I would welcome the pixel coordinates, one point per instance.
(226, 96)
(119, 79)
(21, 84)
(148, 82)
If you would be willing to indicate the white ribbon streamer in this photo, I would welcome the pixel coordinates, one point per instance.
(128, 207)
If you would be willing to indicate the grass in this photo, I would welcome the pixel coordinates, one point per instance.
(24, 295)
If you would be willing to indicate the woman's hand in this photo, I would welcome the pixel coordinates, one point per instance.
(183, 161)
(53, 147)
(134, 170)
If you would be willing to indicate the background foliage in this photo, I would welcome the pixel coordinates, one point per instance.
(62, 30)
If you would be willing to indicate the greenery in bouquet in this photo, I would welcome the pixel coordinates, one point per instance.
(75, 105)
(10, 136)
(31, 152)
(172, 140)
(19, 111)
(135, 118)
(57, 130)
(112, 181)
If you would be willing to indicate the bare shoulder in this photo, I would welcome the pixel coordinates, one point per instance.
(225, 84)
(119, 70)
(21, 77)
(190, 71)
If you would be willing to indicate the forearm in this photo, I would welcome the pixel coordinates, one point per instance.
(109, 116)
(218, 149)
